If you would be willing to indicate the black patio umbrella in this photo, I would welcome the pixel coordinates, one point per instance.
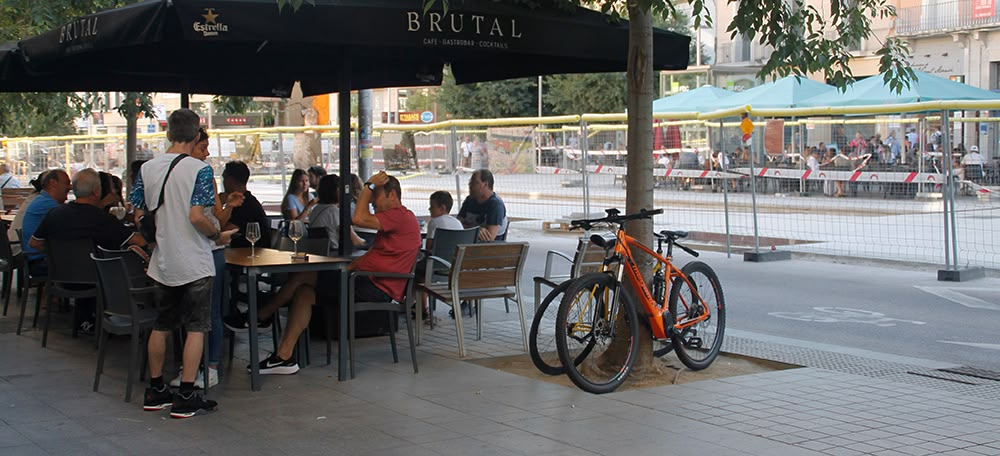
(250, 47)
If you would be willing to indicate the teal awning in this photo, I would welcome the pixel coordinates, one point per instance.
(691, 101)
(928, 87)
(787, 92)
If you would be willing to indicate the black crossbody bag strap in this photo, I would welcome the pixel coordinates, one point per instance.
(164, 186)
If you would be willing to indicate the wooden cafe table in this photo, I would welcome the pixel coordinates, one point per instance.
(277, 261)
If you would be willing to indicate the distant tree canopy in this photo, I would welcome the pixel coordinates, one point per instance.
(510, 98)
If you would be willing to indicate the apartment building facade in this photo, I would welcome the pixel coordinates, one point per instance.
(957, 39)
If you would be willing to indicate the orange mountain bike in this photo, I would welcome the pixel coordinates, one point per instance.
(596, 312)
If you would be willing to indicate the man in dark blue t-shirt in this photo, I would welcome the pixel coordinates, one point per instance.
(483, 208)
(55, 189)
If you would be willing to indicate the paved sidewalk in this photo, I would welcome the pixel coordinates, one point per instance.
(454, 407)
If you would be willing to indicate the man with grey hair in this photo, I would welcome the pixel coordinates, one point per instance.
(55, 189)
(7, 180)
(181, 264)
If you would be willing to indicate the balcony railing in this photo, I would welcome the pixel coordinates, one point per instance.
(935, 17)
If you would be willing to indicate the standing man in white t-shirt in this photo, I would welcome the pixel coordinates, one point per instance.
(464, 149)
(181, 264)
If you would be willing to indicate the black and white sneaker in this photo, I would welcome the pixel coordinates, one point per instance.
(275, 365)
(193, 404)
(239, 322)
(157, 399)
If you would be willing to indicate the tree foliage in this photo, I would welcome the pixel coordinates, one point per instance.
(39, 114)
(34, 114)
(586, 93)
(423, 99)
(510, 98)
(807, 40)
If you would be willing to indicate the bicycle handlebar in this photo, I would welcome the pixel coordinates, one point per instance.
(614, 217)
(664, 238)
(687, 249)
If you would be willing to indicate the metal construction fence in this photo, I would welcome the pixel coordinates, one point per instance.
(880, 200)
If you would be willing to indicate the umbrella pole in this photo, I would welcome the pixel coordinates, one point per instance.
(753, 196)
(725, 189)
(950, 222)
(344, 122)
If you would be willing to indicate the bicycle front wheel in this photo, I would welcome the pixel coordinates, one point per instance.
(596, 348)
(542, 337)
(698, 345)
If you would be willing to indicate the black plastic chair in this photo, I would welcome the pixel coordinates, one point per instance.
(71, 276)
(319, 245)
(9, 265)
(122, 315)
(29, 281)
(393, 308)
(135, 265)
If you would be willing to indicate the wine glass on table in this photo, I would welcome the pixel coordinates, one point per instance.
(296, 230)
(252, 235)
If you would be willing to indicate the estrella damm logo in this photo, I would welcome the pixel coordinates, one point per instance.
(212, 26)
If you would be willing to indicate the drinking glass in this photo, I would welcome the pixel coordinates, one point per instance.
(296, 230)
(252, 235)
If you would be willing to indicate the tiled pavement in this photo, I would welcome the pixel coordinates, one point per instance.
(457, 408)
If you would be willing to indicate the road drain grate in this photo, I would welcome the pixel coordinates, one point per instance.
(973, 372)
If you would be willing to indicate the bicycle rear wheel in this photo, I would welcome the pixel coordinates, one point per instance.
(698, 345)
(602, 350)
(542, 338)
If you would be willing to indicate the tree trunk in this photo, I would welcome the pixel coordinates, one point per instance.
(639, 183)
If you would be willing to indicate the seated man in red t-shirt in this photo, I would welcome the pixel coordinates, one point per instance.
(396, 243)
(394, 250)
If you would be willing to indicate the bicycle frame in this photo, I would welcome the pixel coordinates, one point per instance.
(655, 311)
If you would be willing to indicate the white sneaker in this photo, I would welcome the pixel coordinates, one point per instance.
(199, 381)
